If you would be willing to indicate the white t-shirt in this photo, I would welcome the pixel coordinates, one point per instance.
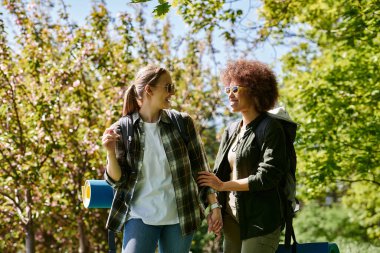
(154, 198)
(231, 207)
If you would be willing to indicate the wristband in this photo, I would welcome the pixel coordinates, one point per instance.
(215, 205)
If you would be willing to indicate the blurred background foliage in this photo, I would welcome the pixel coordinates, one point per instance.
(61, 85)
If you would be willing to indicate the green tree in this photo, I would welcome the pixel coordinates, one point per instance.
(319, 223)
(332, 88)
(61, 86)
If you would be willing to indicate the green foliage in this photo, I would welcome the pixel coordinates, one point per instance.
(324, 223)
(162, 9)
(333, 90)
(316, 223)
(364, 195)
(202, 15)
(203, 241)
(61, 85)
(60, 90)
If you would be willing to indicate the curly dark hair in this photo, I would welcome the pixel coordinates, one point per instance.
(256, 75)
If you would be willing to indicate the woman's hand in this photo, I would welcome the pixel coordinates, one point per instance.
(206, 178)
(109, 139)
(215, 222)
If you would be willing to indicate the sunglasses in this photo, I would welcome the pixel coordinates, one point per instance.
(234, 89)
(170, 88)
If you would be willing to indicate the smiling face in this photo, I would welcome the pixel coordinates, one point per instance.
(254, 74)
(241, 100)
(161, 92)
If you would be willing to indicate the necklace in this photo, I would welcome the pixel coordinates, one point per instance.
(237, 144)
(239, 137)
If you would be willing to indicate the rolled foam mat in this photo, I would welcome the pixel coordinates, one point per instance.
(97, 194)
(313, 247)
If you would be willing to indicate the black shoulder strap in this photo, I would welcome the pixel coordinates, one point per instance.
(289, 234)
(111, 242)
(260, 131)
(177, 118)
(289, 230)
(126, 125)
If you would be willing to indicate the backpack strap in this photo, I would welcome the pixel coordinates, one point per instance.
(289, 212)
(126, 125)
(111, 242)
(260, 131)
(289, 232)
(178, 120)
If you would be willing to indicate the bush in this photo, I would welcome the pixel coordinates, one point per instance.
(316, 223)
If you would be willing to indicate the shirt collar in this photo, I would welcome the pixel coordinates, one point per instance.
(164, 117)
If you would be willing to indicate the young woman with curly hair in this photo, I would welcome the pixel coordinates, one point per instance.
(248, 176)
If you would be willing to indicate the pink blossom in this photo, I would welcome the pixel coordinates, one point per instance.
(76, 83)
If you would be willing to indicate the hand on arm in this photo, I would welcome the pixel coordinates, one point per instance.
(209, 179)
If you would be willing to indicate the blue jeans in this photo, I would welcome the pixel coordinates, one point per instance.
(141, 238)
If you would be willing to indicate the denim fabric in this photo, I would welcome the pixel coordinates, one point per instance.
(141, 238)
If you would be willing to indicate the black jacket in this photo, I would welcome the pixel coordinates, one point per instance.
(260, 209)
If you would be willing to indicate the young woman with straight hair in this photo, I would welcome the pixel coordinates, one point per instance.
(159, 206)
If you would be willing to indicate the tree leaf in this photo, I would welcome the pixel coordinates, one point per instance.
(162, 9)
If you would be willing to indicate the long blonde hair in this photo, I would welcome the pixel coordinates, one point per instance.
(148, 75)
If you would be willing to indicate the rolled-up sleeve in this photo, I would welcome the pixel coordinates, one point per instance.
(197, 155)
(120, 157)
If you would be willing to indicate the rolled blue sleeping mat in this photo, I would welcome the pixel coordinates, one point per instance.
(97, 194)
(313, 247)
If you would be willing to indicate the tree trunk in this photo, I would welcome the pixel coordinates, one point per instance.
(29, 226)
(83, 243)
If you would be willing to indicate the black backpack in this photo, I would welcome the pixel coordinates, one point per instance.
(291, 203)
(126, 125)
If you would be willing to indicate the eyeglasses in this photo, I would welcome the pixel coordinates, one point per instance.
(170, 88)
(234, 89)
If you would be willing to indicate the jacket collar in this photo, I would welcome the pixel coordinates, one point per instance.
(254, 123)
(164, 117)
(135, 117)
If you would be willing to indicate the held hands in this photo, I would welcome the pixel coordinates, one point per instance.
(215, 222)
(109, 139)
(214, 218)
(206, 178)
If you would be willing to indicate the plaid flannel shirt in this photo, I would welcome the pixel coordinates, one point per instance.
(184, 161)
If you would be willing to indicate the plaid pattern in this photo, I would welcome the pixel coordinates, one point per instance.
(184, 161)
